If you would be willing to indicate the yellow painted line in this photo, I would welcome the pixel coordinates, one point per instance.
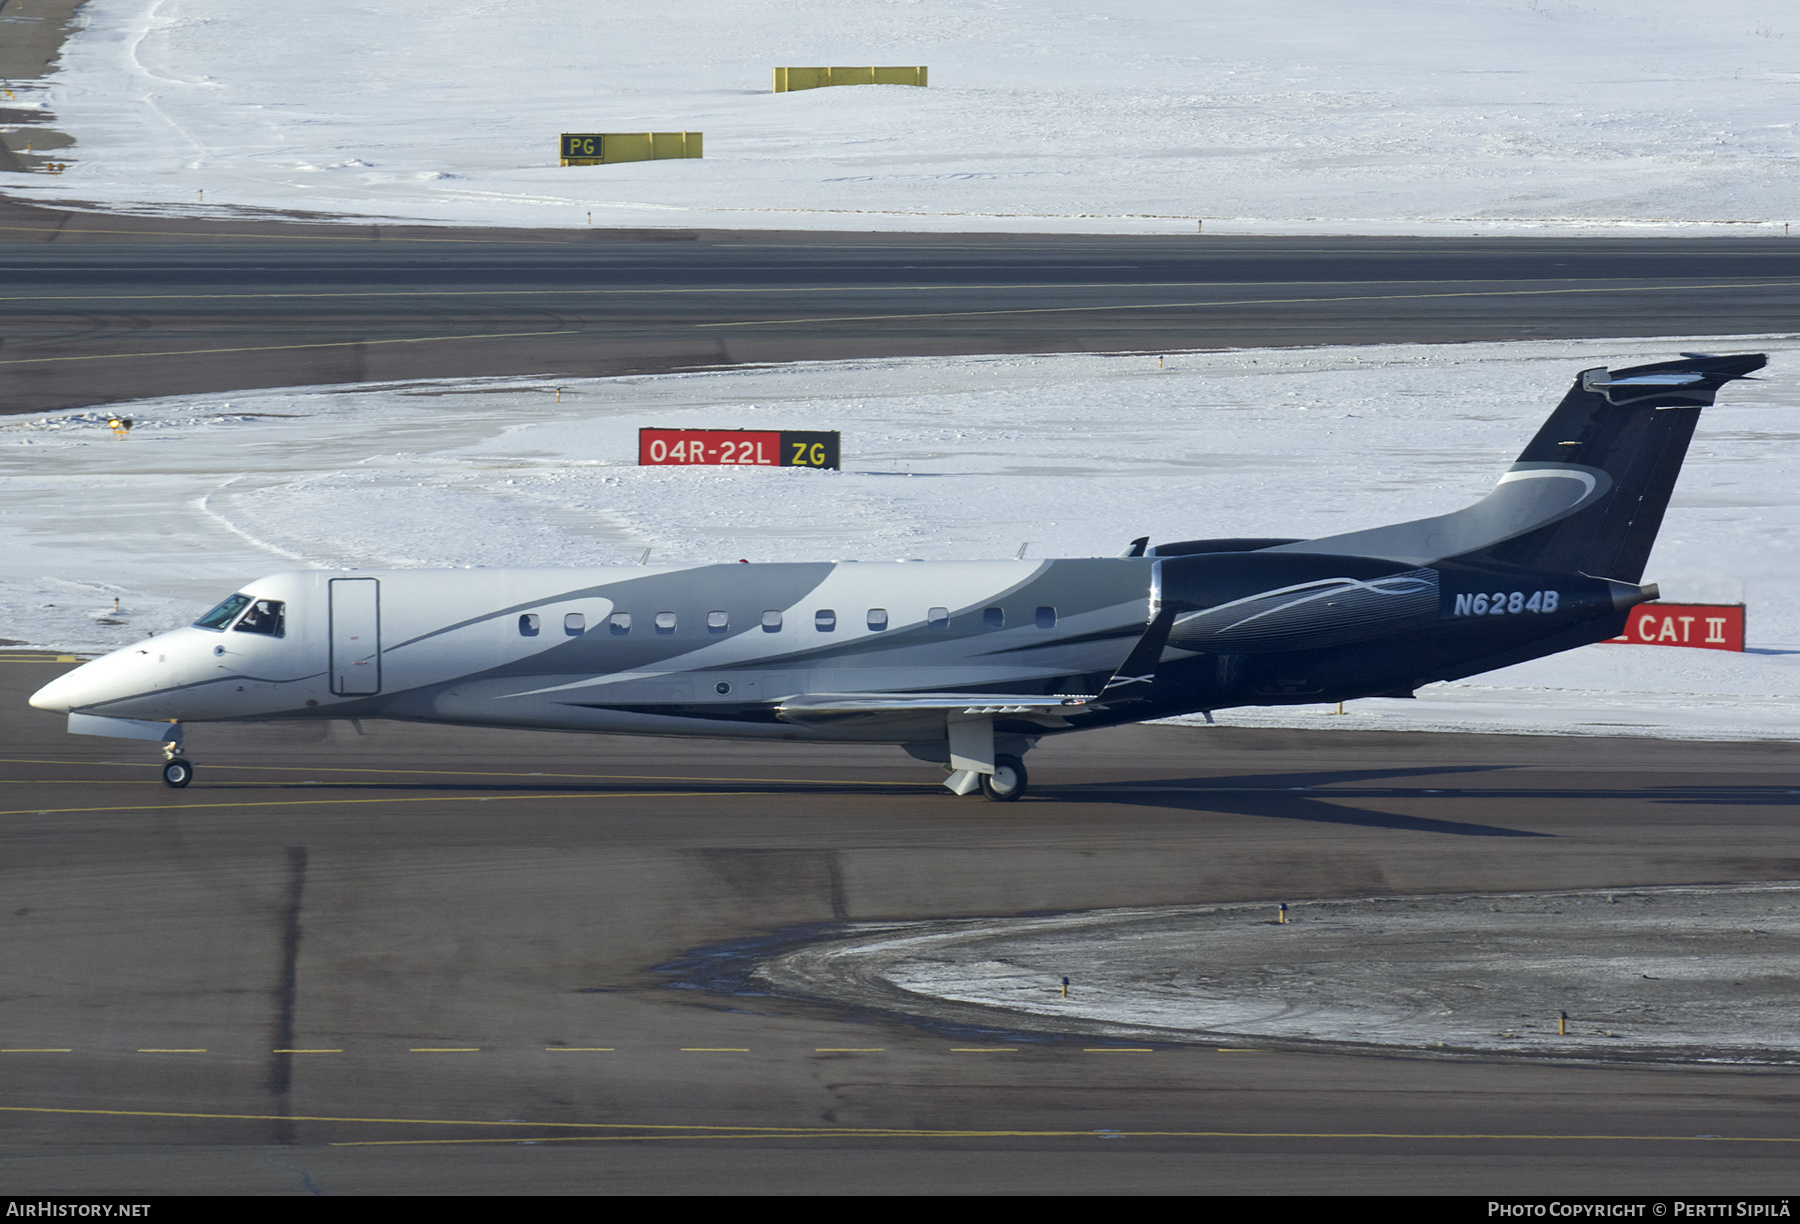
(1369, 297)
(580, 1049)
(707, 1133)
(5, 658)
(850, 1050)
(984, 1049)
(195, 807)
(1117, 1050)
(38, 1050)
(1240, 1050)
(445, 1050)
(306, 1051)
(901, 1132)
(517, 1139)
(715, 1049)
(489, 773)
(272, 348)
(154, 1051)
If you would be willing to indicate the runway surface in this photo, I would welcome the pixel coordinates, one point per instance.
(426, 960)
(96, 308)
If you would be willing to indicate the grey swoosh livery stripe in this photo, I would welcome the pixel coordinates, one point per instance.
(1065, 584)
(666, 585)
(1528, 496)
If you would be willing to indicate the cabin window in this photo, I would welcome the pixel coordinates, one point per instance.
(877, 619)
(938, 618)
(619, 623)
(528, 624)
(665, 622)
(266, 616)
(221, 616)
(825, 620)
(771, 621)
(718, 622)
(574, 624)
(1046, 618)
(993, 618)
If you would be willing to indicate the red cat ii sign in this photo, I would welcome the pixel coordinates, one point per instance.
(1709, 626)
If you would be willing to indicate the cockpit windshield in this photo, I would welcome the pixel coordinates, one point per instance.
(221, 616)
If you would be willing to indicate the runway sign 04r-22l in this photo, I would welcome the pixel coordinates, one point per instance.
(734, 447)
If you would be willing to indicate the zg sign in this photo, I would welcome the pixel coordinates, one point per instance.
(1709, 626)
(738, 448)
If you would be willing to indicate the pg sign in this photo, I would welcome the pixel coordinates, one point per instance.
(738, 448)
(1709, 626)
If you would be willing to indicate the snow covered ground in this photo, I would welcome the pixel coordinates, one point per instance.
(1677, 974)
(1482, 116)
(944, 459)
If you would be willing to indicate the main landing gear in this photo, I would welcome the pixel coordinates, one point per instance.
(1005, 784)
(177, 770)
(976, 759)
(1008, 780)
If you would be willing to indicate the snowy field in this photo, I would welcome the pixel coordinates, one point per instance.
(1485, 116)
(943, 459)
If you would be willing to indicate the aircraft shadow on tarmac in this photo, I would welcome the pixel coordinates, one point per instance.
(1299, 796)
(1726, 796)
(1319, 797)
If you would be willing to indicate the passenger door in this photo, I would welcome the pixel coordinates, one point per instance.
(355, 636)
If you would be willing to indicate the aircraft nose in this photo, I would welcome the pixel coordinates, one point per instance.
(92, 682)
(60, 694)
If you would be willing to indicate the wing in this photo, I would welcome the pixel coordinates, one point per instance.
(924, 714)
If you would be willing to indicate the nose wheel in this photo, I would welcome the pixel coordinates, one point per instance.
(177, 770)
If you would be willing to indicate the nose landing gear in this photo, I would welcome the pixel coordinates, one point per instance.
(177, 770)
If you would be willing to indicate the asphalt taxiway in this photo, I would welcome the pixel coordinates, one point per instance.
(443, 960)
(97, 308)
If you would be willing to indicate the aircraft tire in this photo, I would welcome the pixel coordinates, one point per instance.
(178, 772)
(1007, 782)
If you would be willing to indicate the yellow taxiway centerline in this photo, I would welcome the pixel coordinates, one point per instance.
(806, 1132)
(472, 773)
(200, 807)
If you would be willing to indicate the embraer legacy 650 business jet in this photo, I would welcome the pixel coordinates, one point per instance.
(963, 663)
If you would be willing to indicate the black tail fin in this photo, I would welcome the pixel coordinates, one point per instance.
(1588, 494)
(1631, 426)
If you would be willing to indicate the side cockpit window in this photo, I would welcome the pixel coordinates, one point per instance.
(265, 616)
(221, 616)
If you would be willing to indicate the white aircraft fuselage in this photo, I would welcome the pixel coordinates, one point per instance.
(703, 650)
